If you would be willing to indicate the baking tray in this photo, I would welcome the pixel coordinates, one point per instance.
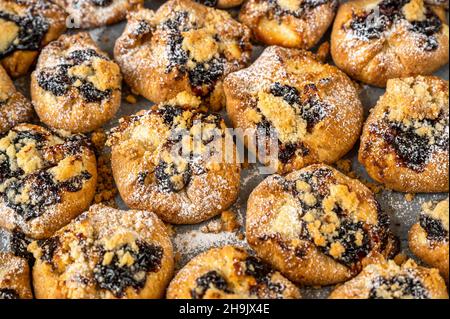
(191, 240)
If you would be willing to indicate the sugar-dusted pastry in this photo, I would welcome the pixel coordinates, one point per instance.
(387, 280)
(27, 26)
(76, 86)
(374, 41)
(14, 107)
(14, 277)
(312, 108)
(404, 143)
(289, 23)
(428, 239)
(317, 226)
(105, 253)
(45, 179)
(182, 47)
(229, 273)
(222, 4)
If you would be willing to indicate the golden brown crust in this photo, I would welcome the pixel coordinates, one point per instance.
(313, 107)
(95, 13)
(45, 181)
(229, 273)
(14, 277)
(162, 54)
(316, 225)
(77, 262)
(47, 22)
(151, 174)
(288, 23)
(404, 144)
(432, 246)
(14, 107)
(387, 280)
(374, 44)
(75, 86)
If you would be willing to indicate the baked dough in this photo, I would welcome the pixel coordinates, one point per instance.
(14, 277)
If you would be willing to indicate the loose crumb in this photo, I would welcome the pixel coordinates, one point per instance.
(409, 197)
(131, 99)
(229, 221)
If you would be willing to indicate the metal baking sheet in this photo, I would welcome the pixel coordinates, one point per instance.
(191, 240)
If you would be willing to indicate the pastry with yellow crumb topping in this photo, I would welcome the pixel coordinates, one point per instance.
(289, 23)
(230, 273)
(317, 226)
(387, 280)
(292, 103)
(428, 239)
(14, 107)
(95, 13)
(180, 163)
(45, 179)
(182, 47)
(14, 277)
(27, 26)
(404, 143)
(374, 41)
(105, 253)
(75, 86)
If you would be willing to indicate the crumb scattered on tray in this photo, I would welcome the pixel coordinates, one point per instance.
(229, 221)
(131, 99)
(409, 197)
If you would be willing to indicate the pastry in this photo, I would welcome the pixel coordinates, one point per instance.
(182, 47)
(27, 26)
(292, 103)
(171, 160)
(390, 281)
(105, 253)
(428, 239)
(374, 41)
(289, 23)
(229, 273)
(45, 179)
(75, 86)
(404, 143)
(14, 107)
(14, 277)
(317, 226)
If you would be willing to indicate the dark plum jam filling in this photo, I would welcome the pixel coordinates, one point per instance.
(101, 3)
(117, 279)
(302, 10)
(7, 293)
(398, 287)
(209, 280)
(434, 228)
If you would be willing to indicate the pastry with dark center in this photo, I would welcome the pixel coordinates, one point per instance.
(14, 277)
(404, 143)
(289, 23)
(95, 13)
(177, 161)
(27, 26)
(76, 87)
(387, 280)
(105, 253)
(428, 239)
(306, 110)
(317, 226)
(14, 107)
(374, 41)
(229, 273)
(222, 4)
(45, 179)
(182, 47)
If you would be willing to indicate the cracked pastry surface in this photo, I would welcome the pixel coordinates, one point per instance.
(76, 86)
(316, 225)
(229, 273)
(404, 143)
(176, 162)
(45, 179)
(387, 280)
(14, 277)
(374, 41)
(428, 238)
(182, 47)
(289, 23)
(96, 13)
(312, 108)
(27, 26)
(14, 107)
(105, 253)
